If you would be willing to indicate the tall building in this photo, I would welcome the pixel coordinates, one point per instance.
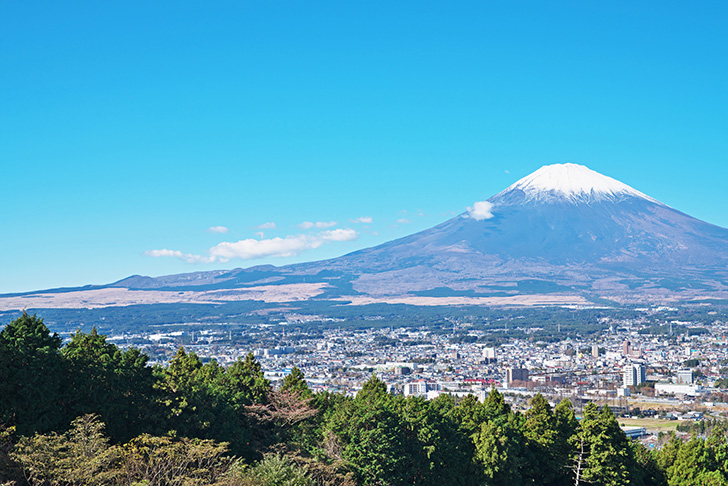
(516, 374)
(419, 388)
(489, 355)
(634, 374)
(595, 351)
(626, 348)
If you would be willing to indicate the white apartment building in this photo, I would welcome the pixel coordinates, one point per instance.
(634, 374)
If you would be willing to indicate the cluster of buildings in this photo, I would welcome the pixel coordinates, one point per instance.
(620, 365)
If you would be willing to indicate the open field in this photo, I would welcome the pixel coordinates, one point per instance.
(650, 424)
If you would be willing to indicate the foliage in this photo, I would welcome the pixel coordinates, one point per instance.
(295, 382)
(608, 458)
(163, 461)
(33, 374)
(75, 457)
(191, 423)
(272, 470)
(119, 386)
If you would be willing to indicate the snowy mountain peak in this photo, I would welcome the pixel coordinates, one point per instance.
(570, 182)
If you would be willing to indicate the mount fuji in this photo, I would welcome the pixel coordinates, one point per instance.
(563, 235)
(563, 229)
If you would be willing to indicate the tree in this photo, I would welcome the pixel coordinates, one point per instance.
(667, 455)
(244, 383)
(499, 452)
(165, 461)
(499, 441)
(547, 466)
(76, 457)
(436, 451)
(695, 464)
(272, 470)
(565, 448)
(83, 456)
(369, 435)
(469, 414)
(647, 471)
(119, 386)
(295, 382)
(33, 374)
(372, 389)
(608, 455)
(195, 406)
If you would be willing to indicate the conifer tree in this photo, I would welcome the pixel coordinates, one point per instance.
(540, 429)
(695, 464)
(295, 382)
(608, 456)
(117, 385)
(32, 376)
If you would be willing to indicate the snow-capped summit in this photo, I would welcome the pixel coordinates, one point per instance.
(570, 182)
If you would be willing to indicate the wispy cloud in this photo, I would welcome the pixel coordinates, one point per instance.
(363, 219)
(269, 225)
(481, 210)
(250, 248)
(317, 224)
(187, 257)
(403, 221)
(218, 229)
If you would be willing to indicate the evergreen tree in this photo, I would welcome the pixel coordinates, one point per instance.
(609, 460)
(667, 455)
(119, 386)
(565, 448)
(436, 452)
(695, 464)
(370, 436)
(244, 383)
(295, 382)
(545, 465)
(499, 443)
(32, 376)
(470, 415)
(647, 470)
(204, 401)
(373, 389)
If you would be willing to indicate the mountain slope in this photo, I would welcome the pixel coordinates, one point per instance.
(564, 224)
(565, 233)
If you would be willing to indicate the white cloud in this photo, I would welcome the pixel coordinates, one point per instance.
(269, 225)
(250, 248)
(339, 235)
(363, 219)
(217, 229)
(278, 247)
(481, 210)
(403, 221)
(317, 224)
(187, 257)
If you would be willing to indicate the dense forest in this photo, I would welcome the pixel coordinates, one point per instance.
(88, 413)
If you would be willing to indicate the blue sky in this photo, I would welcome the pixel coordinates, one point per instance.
(129, 127)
